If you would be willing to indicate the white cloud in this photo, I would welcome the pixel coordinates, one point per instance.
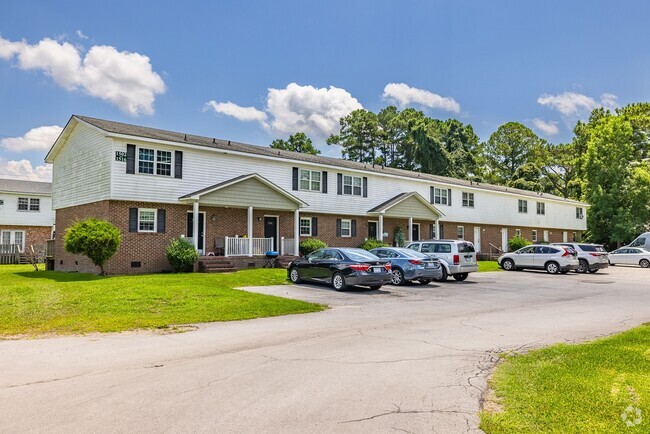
(120, 77)
(36, 139)
(307, 109)
(403, 94)
(245, 114)
(23, 169)
(548, 128)
(81, 35)
(576, 104)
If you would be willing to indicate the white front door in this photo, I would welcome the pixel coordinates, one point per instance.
(477, 238)
(13, 237)
(565, 237)
(546, 236)
(504, 239)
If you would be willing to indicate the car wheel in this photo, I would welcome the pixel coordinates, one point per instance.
(375, 287)
(552, 267)
(444, 276)
(583, 266)
(593, 270)
(644, 263)
(508, 264)
(294, 275)
(397, 277)
(338, 282)
(460, 277)
(424, 281)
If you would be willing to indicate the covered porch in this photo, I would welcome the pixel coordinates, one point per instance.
(245, 216)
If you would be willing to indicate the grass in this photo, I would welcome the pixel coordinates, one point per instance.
(593, 387)
(34, 303)
(488, 266)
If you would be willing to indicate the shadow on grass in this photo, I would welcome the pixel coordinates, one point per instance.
(59, 276)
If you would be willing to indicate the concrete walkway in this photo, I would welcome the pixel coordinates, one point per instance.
(403, 359)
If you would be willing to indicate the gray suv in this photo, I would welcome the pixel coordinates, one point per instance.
(591, 257)
(457, 257)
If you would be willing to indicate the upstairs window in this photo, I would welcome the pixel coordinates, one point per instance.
(153, 162)
(29, 204)
(580, 213)
(352, 185)
(310, 180)
(146, 160)
(164, 163)
(523, 206)
(441, 196)
(541, 208)
(468, 200)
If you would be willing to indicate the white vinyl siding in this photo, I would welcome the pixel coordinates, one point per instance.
(12, 215)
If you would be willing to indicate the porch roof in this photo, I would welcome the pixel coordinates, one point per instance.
(244, 191)
(410, 204)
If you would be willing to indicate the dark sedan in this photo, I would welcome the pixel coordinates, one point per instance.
(408, 265)
(341, 267)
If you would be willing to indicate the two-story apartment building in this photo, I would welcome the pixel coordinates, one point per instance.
(241, 199)
(26, 215)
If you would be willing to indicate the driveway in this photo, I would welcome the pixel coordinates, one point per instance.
(403, 359)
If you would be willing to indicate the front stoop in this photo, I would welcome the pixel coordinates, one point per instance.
(222, 264)
(215, 264)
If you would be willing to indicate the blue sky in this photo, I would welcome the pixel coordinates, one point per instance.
(255, 71)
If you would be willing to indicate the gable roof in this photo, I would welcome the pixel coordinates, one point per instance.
(19, 186)
(123, 129)
(396, 200)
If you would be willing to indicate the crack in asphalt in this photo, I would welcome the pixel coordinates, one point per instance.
(399, 410)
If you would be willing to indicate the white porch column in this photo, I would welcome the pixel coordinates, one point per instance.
(410, 229)
(437, 229)
(195, 224)
(380, 228)
(250, 231)
(296, 232)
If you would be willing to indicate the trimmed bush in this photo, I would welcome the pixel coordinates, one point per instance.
(97, 239)
(181, 255)
(399, 239)
(517, 242)
(310, 245)
(372, 243)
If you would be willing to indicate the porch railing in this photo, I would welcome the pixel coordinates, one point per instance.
(9, 254)
(287, 247)
(237, 246)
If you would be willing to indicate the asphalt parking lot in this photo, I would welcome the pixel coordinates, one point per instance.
(402, 359)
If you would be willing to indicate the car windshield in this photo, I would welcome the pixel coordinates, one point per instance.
(466, 248)
(359, 255)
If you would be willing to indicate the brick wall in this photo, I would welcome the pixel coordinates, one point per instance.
(34, 235)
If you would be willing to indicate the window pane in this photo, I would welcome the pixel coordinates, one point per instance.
(18, 238)
(304, 174)
(315, 176)
(305, 227)
(164, 163)
(34, 204)
(304, 184)
(347, 189)
(147, 220)
(22, 204)
(6, 237)
(345, 228)
(357, 181)
(145, 160)
(357, 191)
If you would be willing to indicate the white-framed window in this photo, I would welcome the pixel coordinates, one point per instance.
(440, 196)
(468, 200)
(580, 214)
(305, 226)
(517, 232)
(352, 185)
(534, 236)
(346, 228)
(146, 220)
(29, 204)
(541, 208)
(310, 180)
(151, 161)
(523, 206)
(13, 237)
(460, 232)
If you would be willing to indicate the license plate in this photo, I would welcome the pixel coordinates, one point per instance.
(429, 264)
(470, 259)
(377, 269)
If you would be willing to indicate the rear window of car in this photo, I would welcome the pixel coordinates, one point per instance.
(360, 255)
(410, 253)
(587, 248)
(465, 248)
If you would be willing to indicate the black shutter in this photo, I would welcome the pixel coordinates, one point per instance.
(314, 226)
(162, 219)
(324, 182)
(353, 228)
(130, 158)
(133, 220)
(339, 183)
(365, 186)
(441, 235)
(338, 227)
(432, 230)
(295, 179)
(178, 164)
(432, 193)
(449, 197)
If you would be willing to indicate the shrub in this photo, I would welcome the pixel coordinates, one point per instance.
(399, 239)
(97, 239)
(181, 255)
(310, 245)
(517, 242)
(372, 243)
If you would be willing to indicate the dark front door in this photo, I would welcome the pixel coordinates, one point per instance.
(372, 230)
(415, 232)
(271, 230)
(190, 228)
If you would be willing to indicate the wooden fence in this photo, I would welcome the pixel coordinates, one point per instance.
(9, 254)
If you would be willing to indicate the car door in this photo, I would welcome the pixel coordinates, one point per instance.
(324, 267)
(616, 256)
(308, 267)
(543, 254)
(633, 256)
(525, 257)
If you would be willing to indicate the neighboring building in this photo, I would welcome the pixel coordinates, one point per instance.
(155, 185)
(26, 215)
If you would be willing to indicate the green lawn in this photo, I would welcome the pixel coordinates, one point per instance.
(34, 303)
(594, 387)
(488, 266)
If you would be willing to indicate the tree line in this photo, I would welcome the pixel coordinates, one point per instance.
(606, 163)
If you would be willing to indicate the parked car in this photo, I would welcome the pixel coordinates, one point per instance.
(630, 256)
(553, 259)
(341, 267)
(591, 257)
(408, 265)
(642, 241)
(457, 257)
